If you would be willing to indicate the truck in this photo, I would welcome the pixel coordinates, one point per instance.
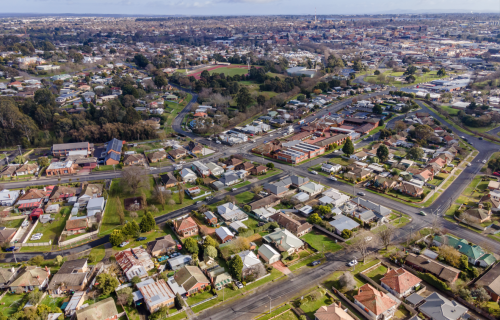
(301, 122)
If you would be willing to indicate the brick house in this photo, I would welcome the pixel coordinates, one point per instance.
(376, 303)
(399, 282)
(61, 168)
(186, 227)
(134, 159)
(191, 278)
(292, 225)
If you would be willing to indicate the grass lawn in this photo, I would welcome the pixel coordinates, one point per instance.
(52, 230)
(98, 253)
(451, 111)
(251, 223)
(277, 311)
(52, 302)
(289, 315)
(339, 160)
(16, 223)
(179, 316)
(199, 297)
(310, 307)
(398, 223)
(270, 173)
(436, 181)
(377, 273)
(107, 168)
(274, 275)
(493, 306)
(244, 197)
(10, 303)
(305, 262)
(229, 71)
(334, 277)
(401, 313)
(483, 129)
(321, 242)
(239, 185)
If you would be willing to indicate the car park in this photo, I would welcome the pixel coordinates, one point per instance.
(123, 244)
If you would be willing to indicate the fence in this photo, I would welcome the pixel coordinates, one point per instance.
(33, 244)
(320, 228)
(77, 239)
(202, 195)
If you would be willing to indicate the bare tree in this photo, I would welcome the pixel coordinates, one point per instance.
(435, 226)
(159, 197)
(119, 210)
(385, 236)
(256, 189)
(133, 214)
(180, 189)
(362, 242)
(347, 282)
(135, 178)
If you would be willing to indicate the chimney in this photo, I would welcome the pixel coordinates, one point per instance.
(340, 305)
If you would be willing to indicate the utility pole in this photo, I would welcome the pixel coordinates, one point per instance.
(269, 304)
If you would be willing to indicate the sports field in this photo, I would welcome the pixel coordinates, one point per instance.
(227, 70)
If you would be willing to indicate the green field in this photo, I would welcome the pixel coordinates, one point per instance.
(52, 230)
(229, 71)
(321, 242)
(423, 77)
(451, 111)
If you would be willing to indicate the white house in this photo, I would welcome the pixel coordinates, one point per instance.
(215, 169)
(360, 156)
(326, 167)
(8, 198)
(202, 169)
(188, 175)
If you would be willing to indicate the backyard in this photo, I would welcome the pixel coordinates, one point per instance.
(10, 303)
(52, 230)
(321, 242)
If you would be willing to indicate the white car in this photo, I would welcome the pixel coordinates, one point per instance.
(234, 189)
(352, 263)
(484, 161)
(313, 172)
(218, 142)
(25, 224)
(468, 164)
(333, 178)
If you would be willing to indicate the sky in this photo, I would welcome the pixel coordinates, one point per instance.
(247, 7)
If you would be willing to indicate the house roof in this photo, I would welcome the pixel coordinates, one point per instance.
(491, 280)
(376, 301)
(443, 271)
(223, 233)
(478, 213)
(343, 223)
(133, 257)
(101, 310)
(267, 251)
(284, 238)
(312, 187)
(438, 307)
(168, 179)
(462, 245)
(159, 244)
(249, 259)
(156, 293)
(5, 275)
(400, 280)
(332, 312)
(188, 276)
(73, 224)
(184, 224)
(114, 145)
(30, 276)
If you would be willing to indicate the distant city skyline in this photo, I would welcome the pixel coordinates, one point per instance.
(247, 7)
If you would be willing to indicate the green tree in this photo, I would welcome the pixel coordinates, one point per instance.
(211, 251)
(125, 296)
(160, 82)
(236, 267)
(112, 51)
(131, 229)
(19, 159)
(209, 241)
(383, 153)
(441, 72)
(348, 147)
(314, 219)
(243, 99)
(135, 280)
(377, 109)
(261, 100)
(116, 237)
(270, 165)
(346, 233)
(59, 260)
(160, 314)
(43, 161)
(107, 283)
(191, 245)
(141, 61)
(148, 223)
(464, 262)
(410, 70)
(415, 153)
(324, 210)
(36, 260)
(376, 72)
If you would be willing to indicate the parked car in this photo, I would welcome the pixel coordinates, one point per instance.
(25, 224)
(234, 189)
(313, 172)
(361, 194)
(352, 263)
(13, 248)
(315, 263)
(468, 164)
(480, 138)
(123, 244)
(141, 239)
(238, 284)
(199, 202)
(333, 178)
(422, 213)
(484, 161)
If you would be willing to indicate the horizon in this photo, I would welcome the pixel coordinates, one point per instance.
(245, 7)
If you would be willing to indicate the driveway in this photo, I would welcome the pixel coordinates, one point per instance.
(278, 265)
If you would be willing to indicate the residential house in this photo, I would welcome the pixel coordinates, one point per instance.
(27, 169)
(102, 310)
(231, 212)
(233, 162)
(215, 169)
(73, 276)
(474, 252)
(161, 246)
(9, 171)
(384, 183)
(156, 156)
(332, 312)
(134, 262)
(357, 173)
(202, 169)
(7, 275)
(229, 179)
(378, 209)
(95, 206)
(376, 303)
(76, 225)
(491, 282)
(284, 240)
(275, 189)
(478, 215)
(168, 180)
(134, 159)
(195, 147)
(186, 227)
(268, 254)
(75, 303)
(292, 225)
(400, 282)
(259, 170)
(219, 277)
(113, 152)
(359, 156)
(191, 278)
(247, 166)
(437, 307)
(224, 234)
(29, 278)
(337, 197)
(61, 193)
(188, 175)
(409, 189)
(341, 223)
(312, 189)
(330, 168)
(8, 198)
(61, 168)
(178, 153)
(250, 263)
(441, 271)
(90, 191)
(156, 294)
(178, 262)
(210, 218)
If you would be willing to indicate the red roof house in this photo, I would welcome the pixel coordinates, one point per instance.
(399, 282)
(375, 303)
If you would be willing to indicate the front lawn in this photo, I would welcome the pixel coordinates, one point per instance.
(310, 307)
(244, 197)
(275, 312)
(306, 262)
(251, 223)
(198, 297)
(239, 185)
(377, 273)
(52, 230)
(321, 242)
(270, 173)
